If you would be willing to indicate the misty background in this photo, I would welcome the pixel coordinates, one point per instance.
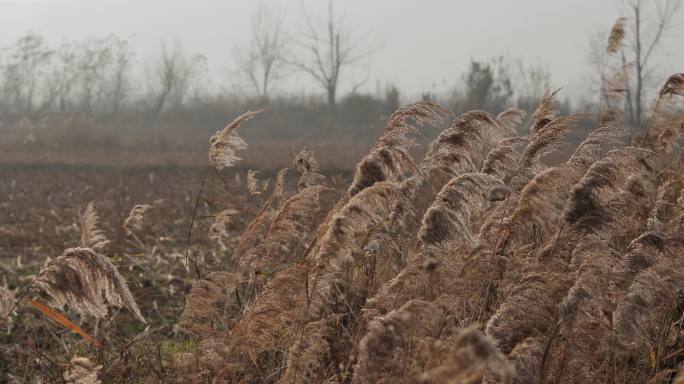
(126, 81)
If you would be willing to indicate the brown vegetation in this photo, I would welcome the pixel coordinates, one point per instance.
(482, 262)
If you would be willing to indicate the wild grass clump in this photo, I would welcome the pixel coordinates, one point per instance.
(482, 261)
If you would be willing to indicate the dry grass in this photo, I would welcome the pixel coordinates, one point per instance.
(479, 263)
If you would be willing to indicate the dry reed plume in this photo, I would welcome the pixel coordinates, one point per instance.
(91, 235)
(673, 86)
(218, 229)
(134, 221)
(306, 165)
(225, 143)
(82, 370)
(85, 282)
(389, 159)
(252, 183)
(7, 301)
(616, 36)
(484, 262)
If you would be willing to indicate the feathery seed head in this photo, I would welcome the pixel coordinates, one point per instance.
(224, 144)
(617, 34)
(512, 118)
(673, 86)
(86, 282)
(92, 236)
(82, 371)
(252, 183)
(134, 221)
(7, 301)
(218, 229)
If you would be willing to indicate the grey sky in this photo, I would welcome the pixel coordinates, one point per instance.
(427, 44)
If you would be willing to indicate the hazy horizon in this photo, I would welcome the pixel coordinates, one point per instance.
(425, 45)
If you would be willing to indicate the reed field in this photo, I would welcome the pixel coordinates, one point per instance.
(495, 251)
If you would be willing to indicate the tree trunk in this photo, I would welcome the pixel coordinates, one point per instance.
(161, 101)
(630, 105)
(332, 90)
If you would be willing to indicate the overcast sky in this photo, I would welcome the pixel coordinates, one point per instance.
(426, 44)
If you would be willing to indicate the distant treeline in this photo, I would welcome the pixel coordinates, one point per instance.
(92, 95)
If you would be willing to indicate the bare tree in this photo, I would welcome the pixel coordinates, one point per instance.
(95, 58)
(119, 84)
(648, 21)
(91, 75)
(327, 52)
(531, 81)
(174, 73)
(262, 60)
(62, 77)
(24, 73)
(597, 60)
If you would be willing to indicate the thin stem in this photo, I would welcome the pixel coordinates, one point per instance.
(558, 234)
(192, 222)
(14, 305)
